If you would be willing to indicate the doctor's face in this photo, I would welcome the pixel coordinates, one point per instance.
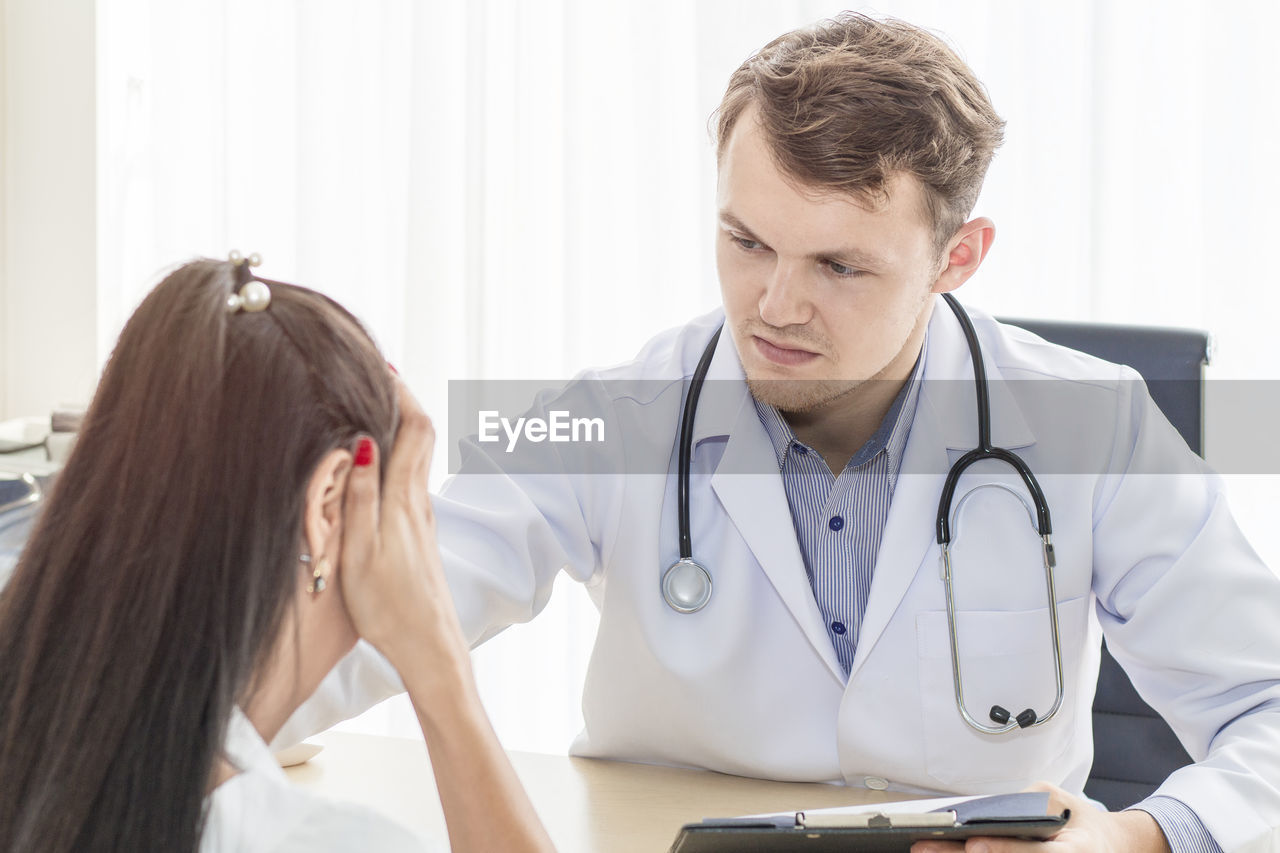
(818, 290)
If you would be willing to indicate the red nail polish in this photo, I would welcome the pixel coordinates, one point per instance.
(364, 452)
(393, 368)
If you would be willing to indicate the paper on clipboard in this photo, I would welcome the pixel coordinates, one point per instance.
(999, 808)
(875, 820)
(894, 807)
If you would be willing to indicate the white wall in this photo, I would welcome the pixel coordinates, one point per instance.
(48, 220)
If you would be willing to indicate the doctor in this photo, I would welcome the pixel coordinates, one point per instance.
(837, 396)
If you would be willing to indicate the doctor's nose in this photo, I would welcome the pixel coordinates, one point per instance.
(785, 300)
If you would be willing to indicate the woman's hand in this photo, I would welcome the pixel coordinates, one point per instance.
(1088, 830)
(391, 572)
(398, 600)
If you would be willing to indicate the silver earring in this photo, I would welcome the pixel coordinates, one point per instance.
(319, 575)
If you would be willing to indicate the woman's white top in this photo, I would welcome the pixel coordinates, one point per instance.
(260, 810)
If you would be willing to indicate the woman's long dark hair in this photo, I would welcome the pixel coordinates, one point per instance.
(164, 563)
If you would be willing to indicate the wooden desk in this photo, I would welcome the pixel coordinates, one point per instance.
(588, 805)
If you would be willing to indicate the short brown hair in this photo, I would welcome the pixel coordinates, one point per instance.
(848, 102)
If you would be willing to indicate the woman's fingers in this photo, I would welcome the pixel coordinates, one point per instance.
(415, 443)
(376, 564)
(361, 506)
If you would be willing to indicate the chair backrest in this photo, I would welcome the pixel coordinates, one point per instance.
(1134, 750)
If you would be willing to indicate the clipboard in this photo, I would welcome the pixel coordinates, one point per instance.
(1023, 816)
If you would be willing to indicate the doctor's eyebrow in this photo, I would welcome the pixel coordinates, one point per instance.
(850, 254)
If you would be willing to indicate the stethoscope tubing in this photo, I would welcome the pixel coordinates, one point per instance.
(984, 450)
(952, 631)
(686, 443)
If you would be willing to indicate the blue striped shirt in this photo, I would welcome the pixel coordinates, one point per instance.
(839, 522)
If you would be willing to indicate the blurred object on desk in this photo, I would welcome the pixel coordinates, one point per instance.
(20, 496)
(31, 452)
(18, 490)
(38, 445)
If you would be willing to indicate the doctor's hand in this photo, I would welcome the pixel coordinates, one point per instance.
(390, 572)
(1088, 830)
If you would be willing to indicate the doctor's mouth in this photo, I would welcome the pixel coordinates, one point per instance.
(785, 356)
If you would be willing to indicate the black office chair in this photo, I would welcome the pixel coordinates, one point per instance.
(1134, 750)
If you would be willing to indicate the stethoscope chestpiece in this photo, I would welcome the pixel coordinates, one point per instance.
(686, 586)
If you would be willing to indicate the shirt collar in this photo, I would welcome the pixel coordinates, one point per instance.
(890, 436)
(245, 748)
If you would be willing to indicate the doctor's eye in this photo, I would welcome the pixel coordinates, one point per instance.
(747, 243)
(843, 271)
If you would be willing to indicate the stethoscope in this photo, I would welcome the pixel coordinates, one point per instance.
(686, 584)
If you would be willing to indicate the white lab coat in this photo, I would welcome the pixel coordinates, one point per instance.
(1146, 549)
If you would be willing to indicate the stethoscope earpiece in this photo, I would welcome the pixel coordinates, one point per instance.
(1000, 716)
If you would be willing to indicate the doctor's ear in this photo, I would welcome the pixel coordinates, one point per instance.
(964, 253)
(322, 511)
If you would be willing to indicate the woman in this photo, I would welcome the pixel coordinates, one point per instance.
(214, 545)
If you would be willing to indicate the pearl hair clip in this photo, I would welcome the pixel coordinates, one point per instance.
(254, 296)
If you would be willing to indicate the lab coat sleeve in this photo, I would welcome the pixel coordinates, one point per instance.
(1190, 612)
(509, 522)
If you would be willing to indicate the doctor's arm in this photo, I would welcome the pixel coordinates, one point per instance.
(1189, 611)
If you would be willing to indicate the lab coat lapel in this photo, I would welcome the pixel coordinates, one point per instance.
(909, 530)
(946, 418)
(749, 488)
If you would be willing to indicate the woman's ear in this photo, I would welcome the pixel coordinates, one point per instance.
(322, 514)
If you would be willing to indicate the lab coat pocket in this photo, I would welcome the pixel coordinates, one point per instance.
(1006, 658)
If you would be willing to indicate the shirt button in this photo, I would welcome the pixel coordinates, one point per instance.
(875, 783)
(836, 522)
(838, 627)
(801, 449)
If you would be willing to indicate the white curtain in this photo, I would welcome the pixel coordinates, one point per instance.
(522, 189)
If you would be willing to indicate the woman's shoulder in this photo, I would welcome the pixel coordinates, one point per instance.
(256, 812)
